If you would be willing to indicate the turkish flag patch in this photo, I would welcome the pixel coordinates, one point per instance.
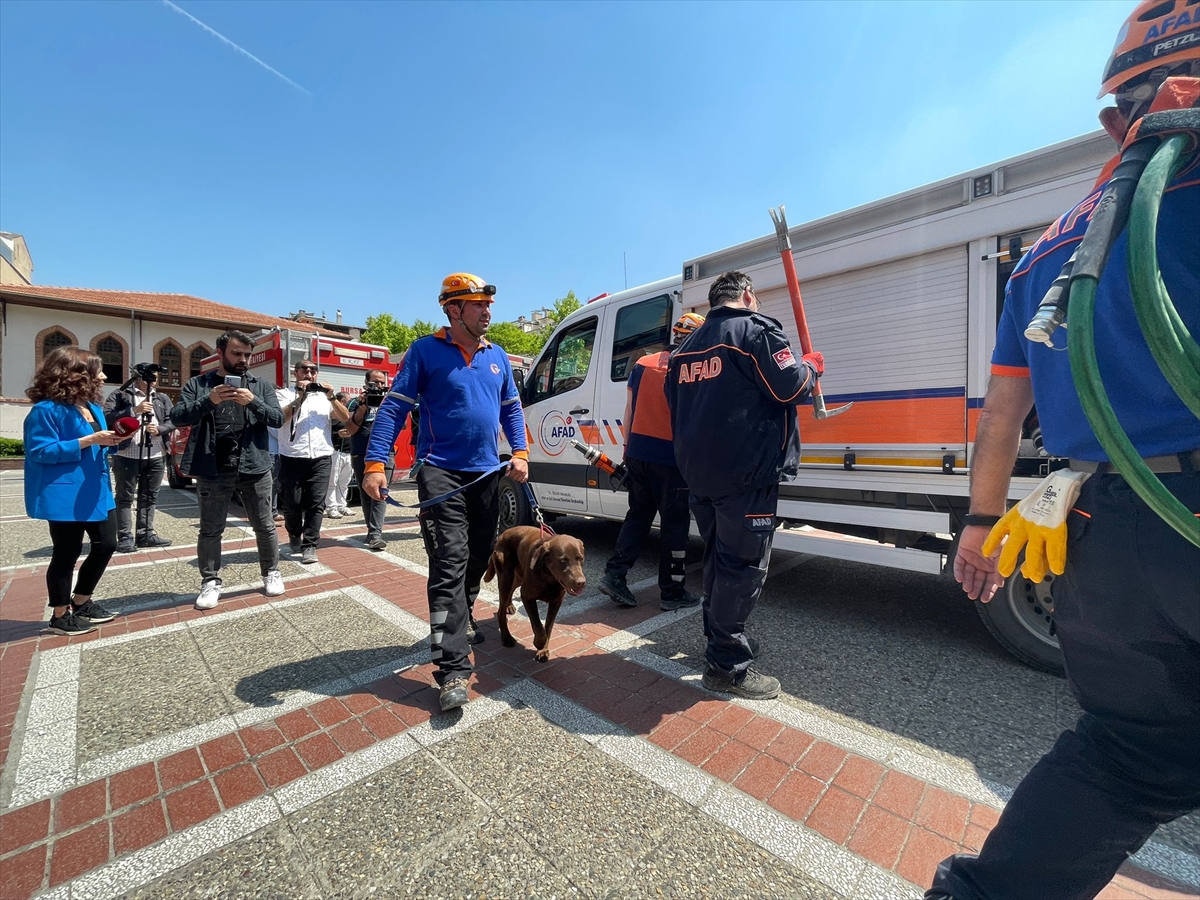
(784, 358)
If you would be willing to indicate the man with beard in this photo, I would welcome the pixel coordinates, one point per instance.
(230, 411)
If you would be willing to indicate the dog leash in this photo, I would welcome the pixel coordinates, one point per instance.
(546, 530)
(434, 501)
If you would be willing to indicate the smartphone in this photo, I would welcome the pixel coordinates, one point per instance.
(233, 381)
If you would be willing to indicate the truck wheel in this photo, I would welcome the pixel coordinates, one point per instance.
(514, 507)
(1019, 618)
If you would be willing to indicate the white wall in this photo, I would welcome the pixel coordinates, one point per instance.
(20, 347)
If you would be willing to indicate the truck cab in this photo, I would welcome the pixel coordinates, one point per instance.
(575, 390)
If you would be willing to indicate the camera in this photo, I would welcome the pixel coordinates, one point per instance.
(373, 394)
(148, 372)
(313, 387)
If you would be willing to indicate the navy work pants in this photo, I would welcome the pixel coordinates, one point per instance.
(1128, 617)
(655, 489)
(459, 534)
(737, 531)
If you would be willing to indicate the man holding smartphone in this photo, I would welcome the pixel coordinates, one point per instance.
(362, 416)
(230, 411)
(305, 453)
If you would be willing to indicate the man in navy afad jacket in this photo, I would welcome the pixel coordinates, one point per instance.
(733, 386)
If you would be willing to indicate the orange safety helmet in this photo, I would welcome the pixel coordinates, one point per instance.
(464, 286)
(686, 324)
(1157, 33)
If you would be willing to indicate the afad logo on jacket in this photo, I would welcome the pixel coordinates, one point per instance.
(698, 371)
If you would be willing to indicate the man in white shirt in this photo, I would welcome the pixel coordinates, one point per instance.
(305, 451)
(139, 462)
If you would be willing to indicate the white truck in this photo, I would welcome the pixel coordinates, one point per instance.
(902, 296)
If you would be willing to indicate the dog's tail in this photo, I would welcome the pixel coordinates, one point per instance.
(495, 561)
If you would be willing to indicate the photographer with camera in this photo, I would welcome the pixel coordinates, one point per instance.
(339, 470)
(140, 461)
(230, 411)
(305, 451)
(362, 416)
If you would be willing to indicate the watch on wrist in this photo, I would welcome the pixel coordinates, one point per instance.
(977, 519)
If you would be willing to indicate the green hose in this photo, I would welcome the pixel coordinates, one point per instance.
(1081, 346)
(1176, 353)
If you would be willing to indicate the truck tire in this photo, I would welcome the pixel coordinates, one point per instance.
(1019, 618)
(514, 507)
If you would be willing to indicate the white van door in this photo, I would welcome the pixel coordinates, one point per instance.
(560, 395)
(633, 329)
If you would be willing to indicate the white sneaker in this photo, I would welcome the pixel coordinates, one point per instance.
(334, 514)
(273, 583)
(210, 593)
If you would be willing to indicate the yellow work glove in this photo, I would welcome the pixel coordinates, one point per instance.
(1039, 524)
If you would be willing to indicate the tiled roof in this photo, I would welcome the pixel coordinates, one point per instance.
(165, 305)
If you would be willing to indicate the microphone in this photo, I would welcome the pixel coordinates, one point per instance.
(126, 425)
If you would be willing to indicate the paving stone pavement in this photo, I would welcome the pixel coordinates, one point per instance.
(292, 747)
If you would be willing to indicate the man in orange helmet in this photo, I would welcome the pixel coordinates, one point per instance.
(655, 485)
(1126, 606)
(464, 385)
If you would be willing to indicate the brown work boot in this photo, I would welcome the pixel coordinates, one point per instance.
(454, 693)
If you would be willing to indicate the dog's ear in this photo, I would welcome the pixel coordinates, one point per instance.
(538, 555)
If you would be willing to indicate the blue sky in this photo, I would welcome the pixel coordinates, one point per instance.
(530, 143)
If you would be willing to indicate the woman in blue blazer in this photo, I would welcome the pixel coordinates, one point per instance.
(67, 483)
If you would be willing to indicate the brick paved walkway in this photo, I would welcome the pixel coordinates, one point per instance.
(846, 809)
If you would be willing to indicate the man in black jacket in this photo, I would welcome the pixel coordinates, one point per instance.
(139, 461)
(733, 386)
(228, 450)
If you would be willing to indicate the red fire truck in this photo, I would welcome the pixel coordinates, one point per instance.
(343, 364)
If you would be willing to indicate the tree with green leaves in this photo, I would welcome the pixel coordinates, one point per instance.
(385, 331)
(510, 336)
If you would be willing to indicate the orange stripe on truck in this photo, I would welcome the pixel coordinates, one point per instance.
(868, 423)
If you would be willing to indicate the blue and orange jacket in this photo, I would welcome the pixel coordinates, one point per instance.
(650, 418)
(465, 399)
(1151, 413)
(733, 386)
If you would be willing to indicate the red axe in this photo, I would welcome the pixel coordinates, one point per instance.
(784, 242)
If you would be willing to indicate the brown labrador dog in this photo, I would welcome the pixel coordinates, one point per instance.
(544, 569)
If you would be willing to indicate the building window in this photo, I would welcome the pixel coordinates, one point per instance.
(195, 359)
(112, 359)
(171, 359)
(53, 341)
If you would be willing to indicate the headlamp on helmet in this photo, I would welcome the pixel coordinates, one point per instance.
(462, 286)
